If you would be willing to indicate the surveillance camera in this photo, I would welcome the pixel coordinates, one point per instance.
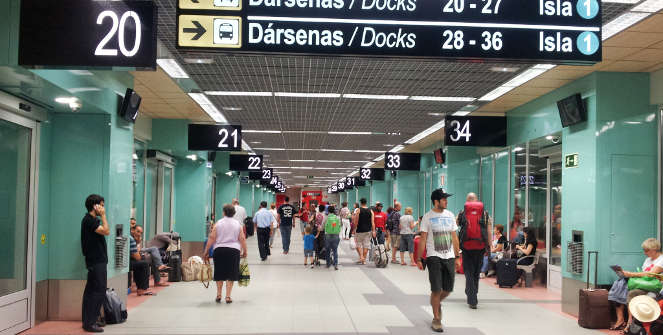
(555, 139)
(75, 106)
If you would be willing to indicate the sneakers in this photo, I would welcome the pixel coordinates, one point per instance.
(473, 306)
(482, 275)
(436, 326)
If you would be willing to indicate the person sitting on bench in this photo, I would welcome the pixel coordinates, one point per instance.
(140, 269)
(150, 255)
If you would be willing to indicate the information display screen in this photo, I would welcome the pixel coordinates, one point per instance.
(371, 174)
(245, 163)
(554, 31)
(212, 137)
(487, 131)
(394, 161)
(74, 33)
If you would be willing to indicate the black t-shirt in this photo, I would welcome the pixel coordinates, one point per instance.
(286, 213)
(502, 240)
(529, 260)
(93, 244)
(364, 224)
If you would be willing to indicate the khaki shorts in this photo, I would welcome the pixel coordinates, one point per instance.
(363, 240)
(395, 240)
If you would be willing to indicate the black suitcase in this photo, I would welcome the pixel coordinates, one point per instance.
(507, 273)
(594, 307)
(248, 223)
(175, 272)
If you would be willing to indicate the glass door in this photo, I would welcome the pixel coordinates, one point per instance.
(17, 163)
(165, 198)
(151, 199)
(555, 223)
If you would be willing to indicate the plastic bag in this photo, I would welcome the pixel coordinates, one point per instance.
(648, 284)
(244, 274)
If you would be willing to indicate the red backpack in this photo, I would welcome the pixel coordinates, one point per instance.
(471, 235)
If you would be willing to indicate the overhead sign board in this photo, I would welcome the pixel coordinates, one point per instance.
(371, 174)
(475, 131)
(100, 34)
(394, 161)
(212, 137)
(245, 163)
(557, 31)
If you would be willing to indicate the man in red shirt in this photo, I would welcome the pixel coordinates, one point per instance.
(380, 219)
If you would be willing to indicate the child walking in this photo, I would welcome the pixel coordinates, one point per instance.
(308, 245)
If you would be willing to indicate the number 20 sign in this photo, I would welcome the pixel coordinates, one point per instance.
(211, 137)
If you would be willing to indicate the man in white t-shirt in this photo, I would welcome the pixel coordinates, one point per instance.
(240, 212)
(438, 232)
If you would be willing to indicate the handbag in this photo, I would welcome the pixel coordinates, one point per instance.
(244, 274)
(206, 274)
(648, 284)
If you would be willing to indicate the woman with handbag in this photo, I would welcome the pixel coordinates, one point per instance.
(228, 240)
(641, 283)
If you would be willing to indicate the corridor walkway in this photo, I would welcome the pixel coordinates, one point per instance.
(284, 297)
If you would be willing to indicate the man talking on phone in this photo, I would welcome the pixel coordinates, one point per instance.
(93, 243)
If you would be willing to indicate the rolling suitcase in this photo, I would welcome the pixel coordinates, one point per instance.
(175, 264)
(594, 310)
(248, 223)
(507, 273)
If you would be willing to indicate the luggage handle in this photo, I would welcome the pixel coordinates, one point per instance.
(596, 267)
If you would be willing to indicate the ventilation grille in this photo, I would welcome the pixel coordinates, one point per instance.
(574, 257)
(121, 252)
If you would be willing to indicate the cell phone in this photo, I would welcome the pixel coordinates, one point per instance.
(616, 268)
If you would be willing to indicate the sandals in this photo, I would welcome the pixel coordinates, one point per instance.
(618, 327)
(218, 299)
(146, 293)
(229, 300)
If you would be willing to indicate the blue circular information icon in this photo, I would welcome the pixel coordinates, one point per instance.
(588, 43)
(587, 9)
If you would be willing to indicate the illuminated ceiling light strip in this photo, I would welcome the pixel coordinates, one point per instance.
(649, 6)
(375, 96)
(620, 23)
(208, 107)
(239, 94)
(307, 95)
(496, 93)
(321, 150)
(447, 99)
(397, 148)
(423, 23)
(461, 113)
(247, 147)
(171, 67)
(262, 131)
(368, 151)
(349, 133)
(379, 158)
(426, 133)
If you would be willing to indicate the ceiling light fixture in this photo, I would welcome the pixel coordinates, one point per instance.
(375, 96)
(518, 80)
(81, 72)
(232, 108)
(208, 107)
(262, 131)
(65, 100)
(504, 69)
(307, 95)
(461, 113)
(397, 148)
(171, 67)
(255, 142)
(649, 6)
(379, 158)
(199, 60)
(239, 94)
(447, 99)
(192, 157)
(426, 133)
(436, 114)
(349, 133)
(620, 23)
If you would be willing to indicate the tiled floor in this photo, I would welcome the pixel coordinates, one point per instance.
(284, 297)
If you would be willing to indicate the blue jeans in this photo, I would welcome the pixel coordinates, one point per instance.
(286, 230)
(331, 243)
(486, 262)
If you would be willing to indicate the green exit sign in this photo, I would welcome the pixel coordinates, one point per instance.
(571, 161)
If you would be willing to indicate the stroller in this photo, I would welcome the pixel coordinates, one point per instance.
(320, 250)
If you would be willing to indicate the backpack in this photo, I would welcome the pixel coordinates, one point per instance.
(472, 223)
(114, 310)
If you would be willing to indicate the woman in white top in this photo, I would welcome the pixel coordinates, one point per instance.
(229, 240)
(407, 236)
(653, 264)
(274, 224)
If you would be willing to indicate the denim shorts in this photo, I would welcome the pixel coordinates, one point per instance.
(308, 253)
(407, 243)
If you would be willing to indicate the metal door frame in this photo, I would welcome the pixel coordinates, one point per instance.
(549, 245)
(31, 255)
